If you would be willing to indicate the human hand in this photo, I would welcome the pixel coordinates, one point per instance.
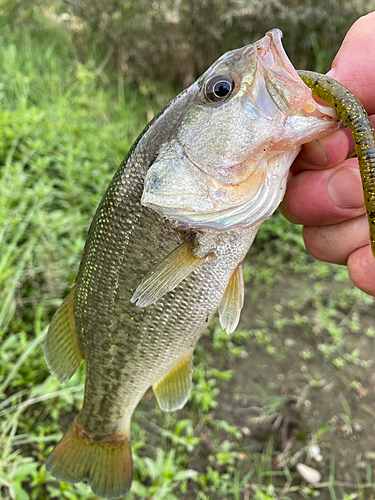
(324, 190)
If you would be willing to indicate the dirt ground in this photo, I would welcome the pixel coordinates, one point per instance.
(338, 413)
(302, 389)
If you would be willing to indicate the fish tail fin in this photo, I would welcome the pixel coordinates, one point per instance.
(104, 462)
(61, 350)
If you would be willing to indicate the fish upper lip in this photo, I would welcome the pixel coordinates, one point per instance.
(273, 36)
(273, 39)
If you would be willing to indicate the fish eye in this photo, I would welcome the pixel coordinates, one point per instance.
(218, 88)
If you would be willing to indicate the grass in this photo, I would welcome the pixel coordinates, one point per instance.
(295, 375)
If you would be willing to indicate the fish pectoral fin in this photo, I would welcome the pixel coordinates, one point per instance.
(232, 302)
(61, 351)
(167, 275)
(105, 462)
(172, 391)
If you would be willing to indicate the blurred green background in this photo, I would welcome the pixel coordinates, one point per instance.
(79, 80)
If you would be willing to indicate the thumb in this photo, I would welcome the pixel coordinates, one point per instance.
(354, 64)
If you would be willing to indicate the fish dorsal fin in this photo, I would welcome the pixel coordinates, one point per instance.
(232, 302)
(172, 391)
(61, 351)
(167, 275)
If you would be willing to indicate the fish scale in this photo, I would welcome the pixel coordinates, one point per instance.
(128, 235)
(157, 264)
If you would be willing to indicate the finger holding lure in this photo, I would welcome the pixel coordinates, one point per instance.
(325, 192)
(165, 249)
(359, 124)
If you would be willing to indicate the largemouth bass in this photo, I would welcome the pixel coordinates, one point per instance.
(165, 248)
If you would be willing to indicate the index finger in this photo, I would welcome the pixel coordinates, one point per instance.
(353, 66)
(323, 153)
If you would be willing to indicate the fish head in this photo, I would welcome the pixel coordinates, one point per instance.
(227, 160)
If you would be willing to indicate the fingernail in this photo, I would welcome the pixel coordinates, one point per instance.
(345, 188)
(331, 72)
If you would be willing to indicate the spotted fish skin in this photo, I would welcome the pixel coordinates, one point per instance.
(158, 263)
(134, 346)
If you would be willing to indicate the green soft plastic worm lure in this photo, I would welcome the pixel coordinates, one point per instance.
(358, 122)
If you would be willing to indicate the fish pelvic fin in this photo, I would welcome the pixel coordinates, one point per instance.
(167, 275)
(172, 391)
(104, 462)
(61, 350)
(232, 302)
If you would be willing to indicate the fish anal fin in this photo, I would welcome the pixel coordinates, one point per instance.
(167, 275)
(172, 391)
(232, 302)
(105, 462)
(61, 350)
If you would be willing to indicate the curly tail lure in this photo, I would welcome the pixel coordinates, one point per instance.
(358, 122)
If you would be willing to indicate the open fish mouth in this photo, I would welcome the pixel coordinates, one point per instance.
(290, 96)
(282, 82)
